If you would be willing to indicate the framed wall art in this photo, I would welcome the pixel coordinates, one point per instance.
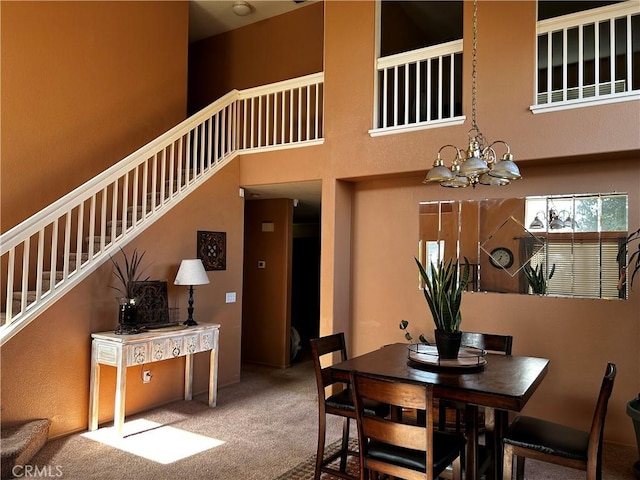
(212, 250)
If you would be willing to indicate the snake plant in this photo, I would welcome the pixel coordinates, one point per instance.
(536, 277)
(443, 288)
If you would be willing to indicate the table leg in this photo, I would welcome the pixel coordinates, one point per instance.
(471, 426)
(501, 422)
(94, 391)
(213, 371)
(188, 377)
(121, 387)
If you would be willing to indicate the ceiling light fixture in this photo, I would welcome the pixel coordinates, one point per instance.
(556, 220)
(242, 8)
(479, 163)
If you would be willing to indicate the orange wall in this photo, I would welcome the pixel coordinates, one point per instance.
(506, 63)
(83, 85)
(45, 368)
(245, 58)
(266, 309)
(577, 335)
(369, 230)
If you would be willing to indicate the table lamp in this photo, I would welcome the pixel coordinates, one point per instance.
(191, 272)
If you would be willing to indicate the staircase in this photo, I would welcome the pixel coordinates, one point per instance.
(19, 444)
(48, 254)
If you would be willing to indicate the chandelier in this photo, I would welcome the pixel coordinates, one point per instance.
(479, 163)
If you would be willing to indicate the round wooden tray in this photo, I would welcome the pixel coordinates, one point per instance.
(426, 356)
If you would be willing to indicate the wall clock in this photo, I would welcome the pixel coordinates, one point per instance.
(501, 257)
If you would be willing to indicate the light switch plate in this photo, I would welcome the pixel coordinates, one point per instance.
(231, 297)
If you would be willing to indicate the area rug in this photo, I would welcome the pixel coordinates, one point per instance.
(305, 470)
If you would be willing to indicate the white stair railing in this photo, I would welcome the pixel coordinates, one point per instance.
(46, 255)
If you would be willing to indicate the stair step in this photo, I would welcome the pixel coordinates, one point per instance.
(31, 296)
(46, 277)
(21, 443)
(73, 260)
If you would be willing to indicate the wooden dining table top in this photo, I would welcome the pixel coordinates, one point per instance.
(504, 382)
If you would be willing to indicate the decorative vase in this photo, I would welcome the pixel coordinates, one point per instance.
(127, 317)
(448, 344)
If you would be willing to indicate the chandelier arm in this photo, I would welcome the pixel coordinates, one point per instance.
(503, 143)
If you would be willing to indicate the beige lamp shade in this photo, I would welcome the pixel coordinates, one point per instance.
(191, 272)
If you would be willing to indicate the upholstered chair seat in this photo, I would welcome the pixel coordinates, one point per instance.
(548, 437)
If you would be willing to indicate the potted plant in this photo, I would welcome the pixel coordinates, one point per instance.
(536, 277)
(443, 287)
(126, 277)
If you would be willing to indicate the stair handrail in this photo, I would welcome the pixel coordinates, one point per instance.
(205, 142)
(33, 224)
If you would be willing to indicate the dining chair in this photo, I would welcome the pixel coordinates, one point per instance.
(550, 442)
(394, 447)
(335, 398)
(489, 342)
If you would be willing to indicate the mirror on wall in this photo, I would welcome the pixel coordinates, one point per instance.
(561, 245)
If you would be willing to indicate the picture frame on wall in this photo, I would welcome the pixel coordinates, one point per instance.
(212, 250)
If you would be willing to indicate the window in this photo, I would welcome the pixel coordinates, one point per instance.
(582, 237)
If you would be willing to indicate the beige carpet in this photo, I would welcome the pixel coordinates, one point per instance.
(263, 428)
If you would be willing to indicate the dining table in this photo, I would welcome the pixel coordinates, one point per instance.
(502, 382)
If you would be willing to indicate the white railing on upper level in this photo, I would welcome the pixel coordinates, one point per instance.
(47, 254)
(419, 89)
(588, 58)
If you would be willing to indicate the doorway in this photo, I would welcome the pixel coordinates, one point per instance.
(281, 287)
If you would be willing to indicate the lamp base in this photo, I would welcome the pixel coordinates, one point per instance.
(190, 322)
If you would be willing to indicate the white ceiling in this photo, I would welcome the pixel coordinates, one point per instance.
(211, 17)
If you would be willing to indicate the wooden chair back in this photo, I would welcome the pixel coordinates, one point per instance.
(335, 401)
(325, 351)
(391, 430)
(594, 464)
(488, 341)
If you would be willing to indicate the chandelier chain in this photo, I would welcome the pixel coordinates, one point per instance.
(474, 52)
(478, 164)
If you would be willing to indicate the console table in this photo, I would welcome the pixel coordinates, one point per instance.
(123, 351)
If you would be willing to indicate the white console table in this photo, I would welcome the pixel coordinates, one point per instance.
(122, 351)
